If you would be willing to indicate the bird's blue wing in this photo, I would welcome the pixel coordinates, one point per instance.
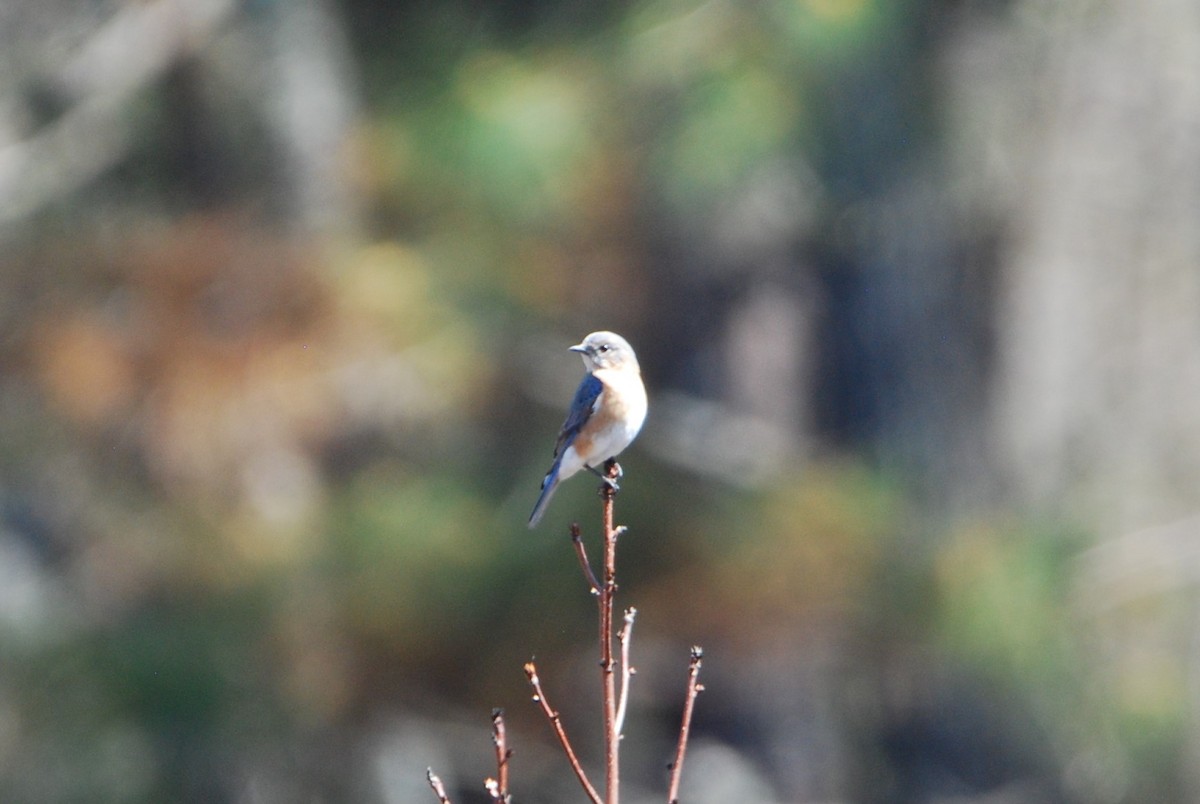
(581, 410)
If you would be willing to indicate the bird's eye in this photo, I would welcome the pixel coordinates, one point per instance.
(604, 347)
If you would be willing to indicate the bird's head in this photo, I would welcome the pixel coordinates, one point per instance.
(606, 350)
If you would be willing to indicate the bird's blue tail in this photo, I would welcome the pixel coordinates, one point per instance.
(549, 484)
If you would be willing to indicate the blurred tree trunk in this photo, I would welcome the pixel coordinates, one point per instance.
(256, 104)
(1098, 387)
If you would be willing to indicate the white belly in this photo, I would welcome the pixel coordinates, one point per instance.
(614, 425)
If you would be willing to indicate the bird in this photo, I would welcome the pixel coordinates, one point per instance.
(605, 416)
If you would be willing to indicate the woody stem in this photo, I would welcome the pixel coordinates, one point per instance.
(608, 590)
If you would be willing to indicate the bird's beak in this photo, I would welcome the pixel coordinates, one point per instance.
(579, 347)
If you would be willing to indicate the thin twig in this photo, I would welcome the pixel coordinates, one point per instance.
(584, 564)
(539, 697)
(503, 754)
(612, 742)
(627, 670)
(694, 688)
(439, 789)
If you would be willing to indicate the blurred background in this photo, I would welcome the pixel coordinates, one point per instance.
(285, 294)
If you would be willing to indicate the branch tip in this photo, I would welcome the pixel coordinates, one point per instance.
(439, 789)
(503, 754)
(694, 688)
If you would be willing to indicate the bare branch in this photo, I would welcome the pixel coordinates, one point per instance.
(539, 697)
(584, 564)
(694, 688)
(627, 670)
(503, 754)
(438, 788)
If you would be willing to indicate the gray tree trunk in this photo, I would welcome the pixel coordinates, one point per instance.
(1098, 385)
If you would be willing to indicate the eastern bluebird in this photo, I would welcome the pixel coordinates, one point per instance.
(606, 413)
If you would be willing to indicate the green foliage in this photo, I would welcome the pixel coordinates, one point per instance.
(1011, 603)
(408, 553)
(1005, 600)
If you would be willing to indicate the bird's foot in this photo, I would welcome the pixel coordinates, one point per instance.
(608, 475)
(613, 469)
